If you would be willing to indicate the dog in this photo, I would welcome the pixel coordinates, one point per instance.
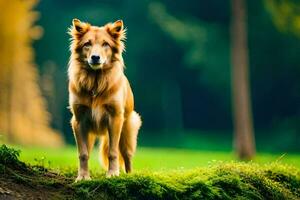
(100, 97)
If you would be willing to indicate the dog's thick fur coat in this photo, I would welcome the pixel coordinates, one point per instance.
(100, 97)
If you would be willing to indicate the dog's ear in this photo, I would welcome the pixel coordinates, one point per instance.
(116, 30)
(78, 28)
(117, 26)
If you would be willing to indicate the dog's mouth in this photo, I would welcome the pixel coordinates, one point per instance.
(96, 66)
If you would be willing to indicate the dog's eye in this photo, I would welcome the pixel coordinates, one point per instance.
(87, 44)
(105, 44)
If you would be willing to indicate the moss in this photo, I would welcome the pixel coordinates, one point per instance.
(224, 181)
(290, 181)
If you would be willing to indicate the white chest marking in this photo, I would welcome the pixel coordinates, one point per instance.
(97, 113)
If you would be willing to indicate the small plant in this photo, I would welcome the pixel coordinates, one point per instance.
(9, 159)
(9, 156)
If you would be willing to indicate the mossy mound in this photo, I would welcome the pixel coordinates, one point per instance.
(219, 181)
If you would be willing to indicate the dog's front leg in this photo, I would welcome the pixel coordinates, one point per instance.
(114, 130)
(81, 136)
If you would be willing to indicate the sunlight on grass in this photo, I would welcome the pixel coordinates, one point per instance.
(146, 158)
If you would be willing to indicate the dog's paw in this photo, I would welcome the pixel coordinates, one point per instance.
(112, 173)
(85, 177)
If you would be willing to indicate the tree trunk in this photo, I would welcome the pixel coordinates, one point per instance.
(241, 102)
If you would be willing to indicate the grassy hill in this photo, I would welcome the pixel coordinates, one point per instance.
(220, 180)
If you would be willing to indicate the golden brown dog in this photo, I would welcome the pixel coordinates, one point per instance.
(100, 97)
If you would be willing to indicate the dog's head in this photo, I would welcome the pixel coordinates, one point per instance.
(97, 47)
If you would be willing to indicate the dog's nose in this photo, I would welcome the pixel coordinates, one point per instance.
(95, 58)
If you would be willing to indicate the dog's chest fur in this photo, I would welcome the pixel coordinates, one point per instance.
(101, 93)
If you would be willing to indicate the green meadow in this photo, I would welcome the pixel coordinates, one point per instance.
(149, 159)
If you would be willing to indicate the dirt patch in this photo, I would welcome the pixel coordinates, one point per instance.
(34, 186)
(21, 181)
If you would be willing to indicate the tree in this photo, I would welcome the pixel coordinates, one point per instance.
(23, 115)
(241, 101)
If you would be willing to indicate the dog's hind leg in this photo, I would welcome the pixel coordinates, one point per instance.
(128, 139)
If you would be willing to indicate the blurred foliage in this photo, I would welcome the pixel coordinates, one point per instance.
(285, 15)
(23, 114)
(177, 61)
(202, 42)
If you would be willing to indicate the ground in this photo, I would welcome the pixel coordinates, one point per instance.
(159, 174)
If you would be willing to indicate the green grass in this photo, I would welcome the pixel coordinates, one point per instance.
(216, 180)
(150, 159)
